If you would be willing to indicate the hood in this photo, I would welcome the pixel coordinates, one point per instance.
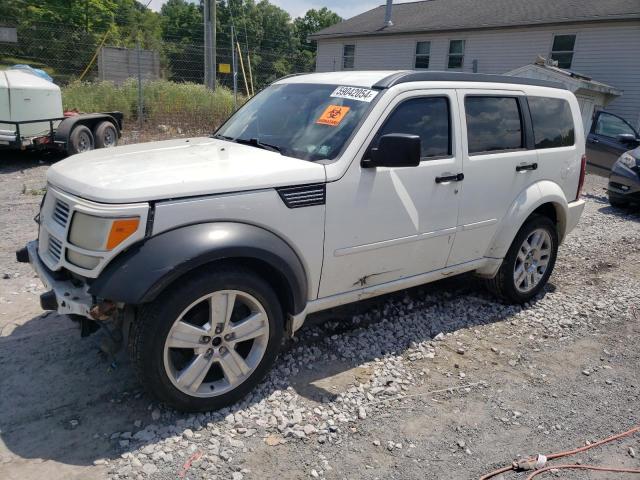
(177, 168)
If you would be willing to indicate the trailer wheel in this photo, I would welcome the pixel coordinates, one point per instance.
(105, 135)
(80, 140)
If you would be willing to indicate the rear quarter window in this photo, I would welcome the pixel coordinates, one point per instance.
(552, 122)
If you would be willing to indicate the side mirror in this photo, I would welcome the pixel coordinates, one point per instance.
(394, 150)
(627, 138)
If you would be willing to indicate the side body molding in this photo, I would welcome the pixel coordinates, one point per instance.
(529, 199)
(139, 274)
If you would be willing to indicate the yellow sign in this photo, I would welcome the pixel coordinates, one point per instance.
(224, 68)
(333, 115)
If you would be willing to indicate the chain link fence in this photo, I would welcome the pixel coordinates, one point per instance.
(158, 84)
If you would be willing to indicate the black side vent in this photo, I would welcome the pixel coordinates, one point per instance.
(304, 196)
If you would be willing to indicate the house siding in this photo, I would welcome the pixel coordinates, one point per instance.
(607, 52)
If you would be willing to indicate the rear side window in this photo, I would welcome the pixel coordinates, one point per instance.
(427, 117)
(493, 124)
(552, 122)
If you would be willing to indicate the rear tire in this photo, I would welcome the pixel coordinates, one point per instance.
(179, 330)
(80, 140)
(105, 135)
(527, 266)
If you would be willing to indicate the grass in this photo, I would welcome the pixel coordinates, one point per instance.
(188, 107)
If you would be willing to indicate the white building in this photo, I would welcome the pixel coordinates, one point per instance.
(597, 38)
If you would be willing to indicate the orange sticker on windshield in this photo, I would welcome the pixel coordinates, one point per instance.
(333, 115)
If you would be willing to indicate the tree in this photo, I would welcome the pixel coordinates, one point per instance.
(314, 21)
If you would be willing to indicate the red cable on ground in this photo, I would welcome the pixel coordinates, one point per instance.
(532, 460)
(584, 467)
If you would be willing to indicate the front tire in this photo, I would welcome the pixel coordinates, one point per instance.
(207, 342)
(529, 262)
(617, 202)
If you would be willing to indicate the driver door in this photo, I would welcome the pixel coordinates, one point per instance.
(603, 145)
(385, 224)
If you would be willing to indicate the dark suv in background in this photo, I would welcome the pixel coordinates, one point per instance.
(613, 150)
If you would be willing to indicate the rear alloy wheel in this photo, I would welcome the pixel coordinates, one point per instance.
(80, 140)
(529, 262)
(207, 342)
(106, 135)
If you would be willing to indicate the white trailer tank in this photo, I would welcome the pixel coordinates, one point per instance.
(26, 96)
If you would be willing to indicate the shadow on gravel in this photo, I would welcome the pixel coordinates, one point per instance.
(60, 400)
(15, 161)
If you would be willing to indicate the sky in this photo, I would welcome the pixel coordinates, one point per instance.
(297, 8)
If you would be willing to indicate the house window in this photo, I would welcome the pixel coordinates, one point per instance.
(422, 54)
(348, 56)
(456, 54)
(562, 50)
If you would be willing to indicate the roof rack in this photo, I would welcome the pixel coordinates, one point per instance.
(418, 76)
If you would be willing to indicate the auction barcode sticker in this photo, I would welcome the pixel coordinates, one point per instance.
(355, 93)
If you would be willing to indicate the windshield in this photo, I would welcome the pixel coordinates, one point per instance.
(306, 121)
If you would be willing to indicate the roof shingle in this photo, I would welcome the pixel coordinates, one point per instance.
(441, 15)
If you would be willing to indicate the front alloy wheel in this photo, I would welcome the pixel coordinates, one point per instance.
(206, 342)
(216, 343)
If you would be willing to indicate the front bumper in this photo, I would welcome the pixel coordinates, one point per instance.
(70, 296)
(624, 184)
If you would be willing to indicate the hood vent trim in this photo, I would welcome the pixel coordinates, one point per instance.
(303, 196)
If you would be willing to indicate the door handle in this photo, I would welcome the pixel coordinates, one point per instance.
(450, 178)
(530, 166)
(594, 140)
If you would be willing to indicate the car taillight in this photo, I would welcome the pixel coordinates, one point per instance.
(583, 171)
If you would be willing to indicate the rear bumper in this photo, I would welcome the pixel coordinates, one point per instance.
(64, 296)
(574, 210)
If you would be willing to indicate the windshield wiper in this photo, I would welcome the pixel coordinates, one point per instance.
(254, 142)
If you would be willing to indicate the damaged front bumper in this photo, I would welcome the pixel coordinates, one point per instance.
(66, 296)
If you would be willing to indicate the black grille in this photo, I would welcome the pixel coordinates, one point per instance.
(55, 248)
(304, 196)
(61, 213)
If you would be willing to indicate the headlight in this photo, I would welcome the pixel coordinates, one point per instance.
(627, 160)
(100, 233)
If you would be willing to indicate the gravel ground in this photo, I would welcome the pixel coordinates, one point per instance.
(440, 381)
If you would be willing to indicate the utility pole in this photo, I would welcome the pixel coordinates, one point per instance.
(234, 67)
(210, 44)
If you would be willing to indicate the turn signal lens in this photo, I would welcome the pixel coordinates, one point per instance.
(121, 229)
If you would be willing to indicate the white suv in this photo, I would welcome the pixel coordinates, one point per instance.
(322, 190)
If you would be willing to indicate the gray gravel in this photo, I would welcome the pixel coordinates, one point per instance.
(439, 381)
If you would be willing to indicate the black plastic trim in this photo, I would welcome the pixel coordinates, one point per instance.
(143, 271)
(303, 196)
(420, 76)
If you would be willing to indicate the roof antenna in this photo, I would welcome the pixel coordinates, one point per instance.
(387, 14)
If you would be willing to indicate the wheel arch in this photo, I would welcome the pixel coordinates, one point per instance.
(145, 270)
(542, 198)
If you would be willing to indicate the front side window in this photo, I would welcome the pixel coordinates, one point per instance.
(423, 50)
(562, 50)
(612, 126)
(552, 122)
(427, 117)
(348, 56)
(493, 124)
(305, 121)
(456, 54)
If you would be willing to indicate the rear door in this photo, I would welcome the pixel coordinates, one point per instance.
(498, 162)
(603, 145)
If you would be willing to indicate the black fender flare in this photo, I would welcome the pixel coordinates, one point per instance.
(142, 272)
(63, 131)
